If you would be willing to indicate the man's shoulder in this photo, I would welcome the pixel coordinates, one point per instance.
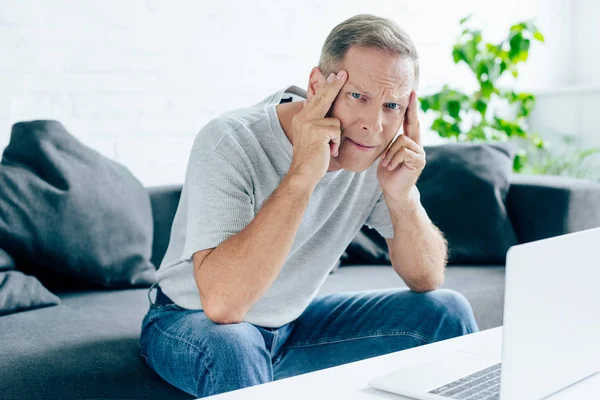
(236, 125)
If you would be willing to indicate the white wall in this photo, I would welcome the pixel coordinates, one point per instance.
(586, 42)
(137, 79)
(571, 107)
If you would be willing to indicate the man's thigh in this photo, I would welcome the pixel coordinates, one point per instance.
(202, 358)
(340, 328)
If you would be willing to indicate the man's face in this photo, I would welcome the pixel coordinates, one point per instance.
(370, 106)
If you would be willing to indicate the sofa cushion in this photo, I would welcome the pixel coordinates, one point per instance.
(68, 214)
(85, 348)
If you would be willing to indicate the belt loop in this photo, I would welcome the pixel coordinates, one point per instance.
(150, 290)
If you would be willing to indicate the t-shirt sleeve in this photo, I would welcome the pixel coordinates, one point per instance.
(380, 218)
(220, 197)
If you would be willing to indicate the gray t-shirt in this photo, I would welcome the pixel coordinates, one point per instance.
(236, 162)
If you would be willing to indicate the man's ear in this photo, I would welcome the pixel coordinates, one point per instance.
(315, 80)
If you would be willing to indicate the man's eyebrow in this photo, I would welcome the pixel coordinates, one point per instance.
(365, 91)
(358, 86)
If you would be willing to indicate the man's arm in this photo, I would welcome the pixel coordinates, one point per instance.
(235, 274)
(418, 250)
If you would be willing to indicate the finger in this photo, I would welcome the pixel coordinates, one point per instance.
(412, 127)
(405, 141)
(327, 122)
(334, 143)
(335, 147)
(401, 142)
(318, 105)
(333, 134)
(404, 155)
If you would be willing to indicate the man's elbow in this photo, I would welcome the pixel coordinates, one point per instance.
(427, 284)
(222, 314)
(219, 311)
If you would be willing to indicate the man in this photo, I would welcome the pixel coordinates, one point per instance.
(272, 196)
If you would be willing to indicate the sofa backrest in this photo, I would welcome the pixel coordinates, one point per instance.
(538, 206)
(164, 200)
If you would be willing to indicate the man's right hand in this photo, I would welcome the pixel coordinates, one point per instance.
(316, 138)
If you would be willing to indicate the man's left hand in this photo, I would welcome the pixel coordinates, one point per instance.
(401, 165)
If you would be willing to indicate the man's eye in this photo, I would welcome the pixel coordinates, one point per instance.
(393, 106)
(355, 95)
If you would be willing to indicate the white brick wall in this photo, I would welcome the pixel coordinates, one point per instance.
(137, 79)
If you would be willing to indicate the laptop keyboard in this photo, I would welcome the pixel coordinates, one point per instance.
(481, 385)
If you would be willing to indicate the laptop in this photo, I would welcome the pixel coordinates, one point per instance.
(551, 332)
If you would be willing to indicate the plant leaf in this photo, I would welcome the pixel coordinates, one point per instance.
(465, 19)
(538, 36)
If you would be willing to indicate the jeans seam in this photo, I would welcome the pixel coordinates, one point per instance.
(367, 335)
(200, 351)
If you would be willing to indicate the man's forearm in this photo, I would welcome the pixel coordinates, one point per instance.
(241, 269)
(418, 250)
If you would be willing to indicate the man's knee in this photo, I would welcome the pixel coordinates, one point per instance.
(453, 311)
(235, 344)
(235, 356)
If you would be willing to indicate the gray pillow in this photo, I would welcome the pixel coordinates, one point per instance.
(6, 261)
(20, 292)
(463, 189)
(69, 214)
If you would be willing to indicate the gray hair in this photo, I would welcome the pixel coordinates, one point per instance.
(366, 30)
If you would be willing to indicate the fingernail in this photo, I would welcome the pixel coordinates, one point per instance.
(341, 74)
(330, 77)
(384, 163)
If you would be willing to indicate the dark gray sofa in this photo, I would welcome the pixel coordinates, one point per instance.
(87, 347)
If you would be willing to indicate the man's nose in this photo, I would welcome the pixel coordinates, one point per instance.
(371, 120)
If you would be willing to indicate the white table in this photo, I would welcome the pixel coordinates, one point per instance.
(349, 381)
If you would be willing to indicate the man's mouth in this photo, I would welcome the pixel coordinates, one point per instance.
(361, 146)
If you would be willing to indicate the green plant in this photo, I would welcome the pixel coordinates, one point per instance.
(469, 117)
(568, 160)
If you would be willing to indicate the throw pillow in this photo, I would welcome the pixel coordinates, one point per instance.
(463, 189)
(367, 248)
(70, 213)
(20, 292)
(6, 261)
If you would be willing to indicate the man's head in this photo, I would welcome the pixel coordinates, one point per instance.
(382, 65)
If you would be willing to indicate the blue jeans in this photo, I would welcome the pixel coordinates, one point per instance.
(202, 358)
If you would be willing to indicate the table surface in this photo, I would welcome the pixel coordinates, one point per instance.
(350, 381)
